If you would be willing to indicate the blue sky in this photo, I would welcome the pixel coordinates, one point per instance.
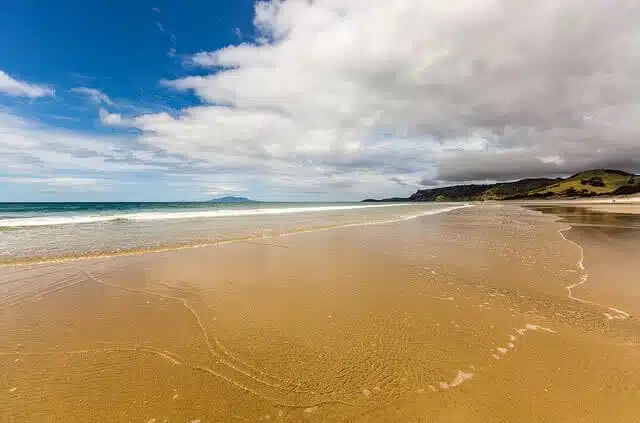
(120, 47)
(326, 100)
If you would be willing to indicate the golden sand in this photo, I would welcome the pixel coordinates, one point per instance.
(460, 317)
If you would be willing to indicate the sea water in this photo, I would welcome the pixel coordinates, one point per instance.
(32, 232)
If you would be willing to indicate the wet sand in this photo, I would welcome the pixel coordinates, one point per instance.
(616, 208)
(621, 205)
(459, 317)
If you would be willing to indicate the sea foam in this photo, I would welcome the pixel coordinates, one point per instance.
(193, 214)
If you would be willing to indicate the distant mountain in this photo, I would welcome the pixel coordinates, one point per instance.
(231, 199)
(597, 182)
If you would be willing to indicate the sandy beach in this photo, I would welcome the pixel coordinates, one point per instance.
(492, 313)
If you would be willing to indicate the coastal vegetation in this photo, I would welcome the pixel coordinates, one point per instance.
(591, 183)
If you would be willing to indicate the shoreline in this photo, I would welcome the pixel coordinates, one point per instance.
(178, 247)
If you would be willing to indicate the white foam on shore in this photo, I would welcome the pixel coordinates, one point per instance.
(460, 378)
(625, 314)
(583, 279)
(536, 327)
(512, 339)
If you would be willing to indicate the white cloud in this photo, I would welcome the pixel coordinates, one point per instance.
(14, 87)
(107, 118)
(465, 87)
(96, 96)
(67, 182)
(220, 190)
(29, 148)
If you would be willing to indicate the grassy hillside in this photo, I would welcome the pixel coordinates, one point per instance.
(584, 184)
(590, 183)
(454, 193)
(514, 189)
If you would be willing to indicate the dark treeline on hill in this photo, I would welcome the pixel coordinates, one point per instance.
(597, 182)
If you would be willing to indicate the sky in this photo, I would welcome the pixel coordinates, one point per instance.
(310, 100)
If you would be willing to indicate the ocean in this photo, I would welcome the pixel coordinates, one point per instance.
(42, 232)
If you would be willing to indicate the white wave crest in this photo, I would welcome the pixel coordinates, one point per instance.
(192, 214)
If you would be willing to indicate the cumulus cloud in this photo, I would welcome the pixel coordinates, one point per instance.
(96, 96)
(109, 118)
(29, 148)
(458, 90)
(14, 87)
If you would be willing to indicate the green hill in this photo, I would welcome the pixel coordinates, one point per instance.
(597, 182)
(591, 183)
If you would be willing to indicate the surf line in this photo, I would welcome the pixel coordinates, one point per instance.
(618, 314)
(212, 243)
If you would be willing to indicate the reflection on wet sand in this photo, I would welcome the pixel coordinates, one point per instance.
(462, 316)
(609, 246)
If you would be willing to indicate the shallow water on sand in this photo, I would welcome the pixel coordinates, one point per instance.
(52, 232)
(610, 244)
(457, 317)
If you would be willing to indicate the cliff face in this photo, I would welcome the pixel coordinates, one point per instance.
(584, 184)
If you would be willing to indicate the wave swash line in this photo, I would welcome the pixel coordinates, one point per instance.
(618, 314)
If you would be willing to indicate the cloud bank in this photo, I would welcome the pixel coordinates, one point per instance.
(453, 91)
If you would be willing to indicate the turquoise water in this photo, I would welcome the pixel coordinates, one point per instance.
(44, 214)
(45, 231)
